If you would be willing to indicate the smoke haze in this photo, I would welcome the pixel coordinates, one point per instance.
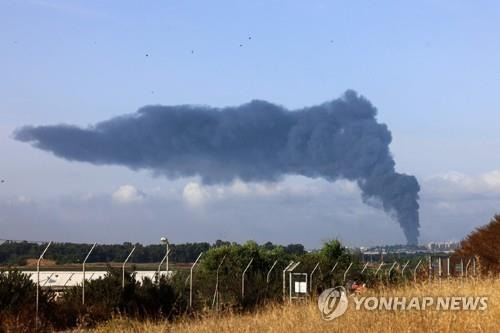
(257, 142)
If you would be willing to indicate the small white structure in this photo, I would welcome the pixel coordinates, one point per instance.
(300, 287)
(299, 283)
(65, 279)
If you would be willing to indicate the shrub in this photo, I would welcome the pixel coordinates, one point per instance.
(105, 298)
(484, 244)
(17, 303)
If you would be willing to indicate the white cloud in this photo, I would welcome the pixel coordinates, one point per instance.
(454, 203)
(455, 183)
(127, 194)
(194, 194)
(492, 179)
(239, 187)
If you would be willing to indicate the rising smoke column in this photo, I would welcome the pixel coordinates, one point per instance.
(258, 141)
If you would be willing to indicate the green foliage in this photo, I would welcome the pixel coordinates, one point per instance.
(236, 258)
(331, 251)
(295, 249)
(16, 289)
(17, 302)
(16, 253)
(105, 297)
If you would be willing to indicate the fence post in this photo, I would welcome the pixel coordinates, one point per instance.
(290, 270)
(467, 268)
(83, 269)
(332, 270)
(159, 266)
(166, 254)
(216, 294)
(284, 279)
(415, 270)
(311, 278)
(191, 281)
(390, 271)
(270, 270)
(38, 282)
(334, 266)
(440, 270)
(404, 267)
(345, 273)
(364, 267)
(123, 267)
(243, 279)
(448, 268)
(430, 269)
(379, 267)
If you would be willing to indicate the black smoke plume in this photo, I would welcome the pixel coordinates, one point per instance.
(258, 141)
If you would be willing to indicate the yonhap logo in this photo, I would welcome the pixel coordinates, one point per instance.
(332, 303)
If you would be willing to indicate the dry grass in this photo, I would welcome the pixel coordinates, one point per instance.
(306, 318)
(43, 262)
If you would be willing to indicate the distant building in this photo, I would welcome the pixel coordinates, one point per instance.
(443, 246)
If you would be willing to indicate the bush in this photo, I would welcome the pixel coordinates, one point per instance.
(105, 298)
(17, 303)
(484, 244)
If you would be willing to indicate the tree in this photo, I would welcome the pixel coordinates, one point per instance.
(331, 251)
(484, 244)
(296, 249)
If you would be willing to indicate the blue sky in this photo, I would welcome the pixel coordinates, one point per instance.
(431, 68)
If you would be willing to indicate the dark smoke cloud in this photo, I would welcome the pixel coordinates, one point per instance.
(258, 141)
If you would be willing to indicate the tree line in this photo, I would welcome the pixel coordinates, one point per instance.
(16, 253)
